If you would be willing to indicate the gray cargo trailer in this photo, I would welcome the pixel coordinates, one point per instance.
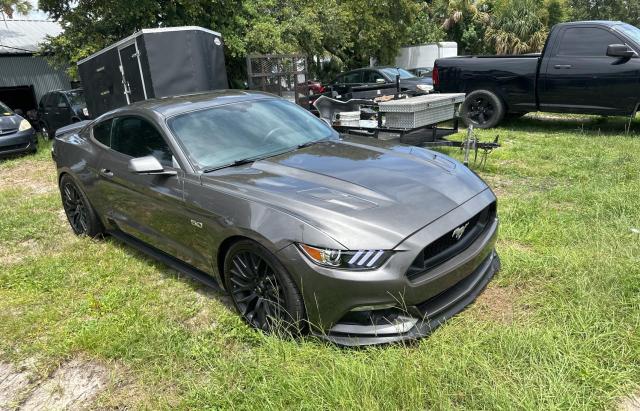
(153, 63)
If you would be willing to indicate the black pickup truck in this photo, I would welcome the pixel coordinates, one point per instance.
(588, 67)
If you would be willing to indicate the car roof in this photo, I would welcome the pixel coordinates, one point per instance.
(170, 106)
(608, 23)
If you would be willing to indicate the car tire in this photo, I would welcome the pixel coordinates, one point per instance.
(262, 291)
(80, 214)
(482, 109)
(46, 133)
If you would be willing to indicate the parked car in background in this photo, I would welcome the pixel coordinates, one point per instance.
(371, 76)
(315, 87)
(60, 108)
(424, 72)
(587, 67)
(358, 241)
(16, 133)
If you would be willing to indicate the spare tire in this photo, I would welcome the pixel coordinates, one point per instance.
(483, 109)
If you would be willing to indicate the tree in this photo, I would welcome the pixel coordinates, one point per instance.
(465, 22)
(425, 28)
(8, 7)
(625, 10)
(349, 30)
(518, 27)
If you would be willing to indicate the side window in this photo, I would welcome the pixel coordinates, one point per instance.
(102, 132)
(352, 78)
(339, 80)
(137, 137)
(50, 100)
(372, 76)
(43, 101)
(61, 101)
(586, 42)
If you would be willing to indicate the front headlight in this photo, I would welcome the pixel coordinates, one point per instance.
(424, 87)
(24, 125)
(347, 260)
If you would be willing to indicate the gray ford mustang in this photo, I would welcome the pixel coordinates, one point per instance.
(355, 240)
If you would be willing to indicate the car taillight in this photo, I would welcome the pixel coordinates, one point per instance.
(435, 77)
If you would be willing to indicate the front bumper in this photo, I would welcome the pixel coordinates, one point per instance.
(423, 302)
(19, 142)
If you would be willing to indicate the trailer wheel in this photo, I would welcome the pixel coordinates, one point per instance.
(483, 109)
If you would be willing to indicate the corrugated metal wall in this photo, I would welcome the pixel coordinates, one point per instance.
(27, 70)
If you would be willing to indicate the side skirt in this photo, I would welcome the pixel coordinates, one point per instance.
(166, 259)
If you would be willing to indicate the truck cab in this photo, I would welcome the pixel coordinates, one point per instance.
(586, 67)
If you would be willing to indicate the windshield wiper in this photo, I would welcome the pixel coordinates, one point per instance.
(248, 160)
(233, 164)
(312, 142)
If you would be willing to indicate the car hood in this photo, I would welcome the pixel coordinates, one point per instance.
(11, 122)
(361, 195)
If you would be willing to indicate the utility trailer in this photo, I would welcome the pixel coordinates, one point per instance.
(411, 120)
(153, 63)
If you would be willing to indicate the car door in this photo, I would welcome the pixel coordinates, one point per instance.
(345, 82)
(150, 208)
(372, 77)
(578, 76)
(61, 111)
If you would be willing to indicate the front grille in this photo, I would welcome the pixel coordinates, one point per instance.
(6, 131)
(14, 147)
(449, 245)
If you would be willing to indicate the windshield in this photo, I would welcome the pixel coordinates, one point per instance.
(4, 110)
(76, 97)
(392, 72)
(630, 31)
(222, 135)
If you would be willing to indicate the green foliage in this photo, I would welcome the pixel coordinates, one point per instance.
(518, 26)
(624, 10)
(426, 27)
(465, 22)
(349, 30)
(9, 7)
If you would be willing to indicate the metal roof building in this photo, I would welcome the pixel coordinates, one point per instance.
(24, 77)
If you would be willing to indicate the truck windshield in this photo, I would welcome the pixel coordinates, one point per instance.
(76, 98)
(237, 132)
(630, 31)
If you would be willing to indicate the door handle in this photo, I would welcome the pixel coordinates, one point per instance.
(562, 66)
(105, 172)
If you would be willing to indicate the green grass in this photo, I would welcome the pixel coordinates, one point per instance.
(558, 328)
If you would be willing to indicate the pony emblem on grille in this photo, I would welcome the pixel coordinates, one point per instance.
(459, 232)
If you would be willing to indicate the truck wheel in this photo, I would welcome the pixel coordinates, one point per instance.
(483, 109)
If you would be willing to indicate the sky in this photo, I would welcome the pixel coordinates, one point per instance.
(35, 14)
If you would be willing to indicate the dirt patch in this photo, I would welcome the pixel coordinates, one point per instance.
(37, 177)
(499, 304)
(631, 403)
(14, 384)
(515, 245)
(73, 386)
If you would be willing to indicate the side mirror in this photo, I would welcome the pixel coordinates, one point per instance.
(149, 165)
(380, 81)
(620, 50)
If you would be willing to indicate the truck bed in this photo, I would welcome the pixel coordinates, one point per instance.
(511, 77)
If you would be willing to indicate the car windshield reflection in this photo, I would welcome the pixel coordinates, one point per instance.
(235, 133)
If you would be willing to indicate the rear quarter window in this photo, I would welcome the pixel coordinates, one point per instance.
(102, 132)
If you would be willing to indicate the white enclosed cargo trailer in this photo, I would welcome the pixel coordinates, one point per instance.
(425, 55)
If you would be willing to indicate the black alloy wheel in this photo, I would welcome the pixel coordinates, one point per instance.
(75, 208)
(81, 216)
(260, 289)
(483, 109)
